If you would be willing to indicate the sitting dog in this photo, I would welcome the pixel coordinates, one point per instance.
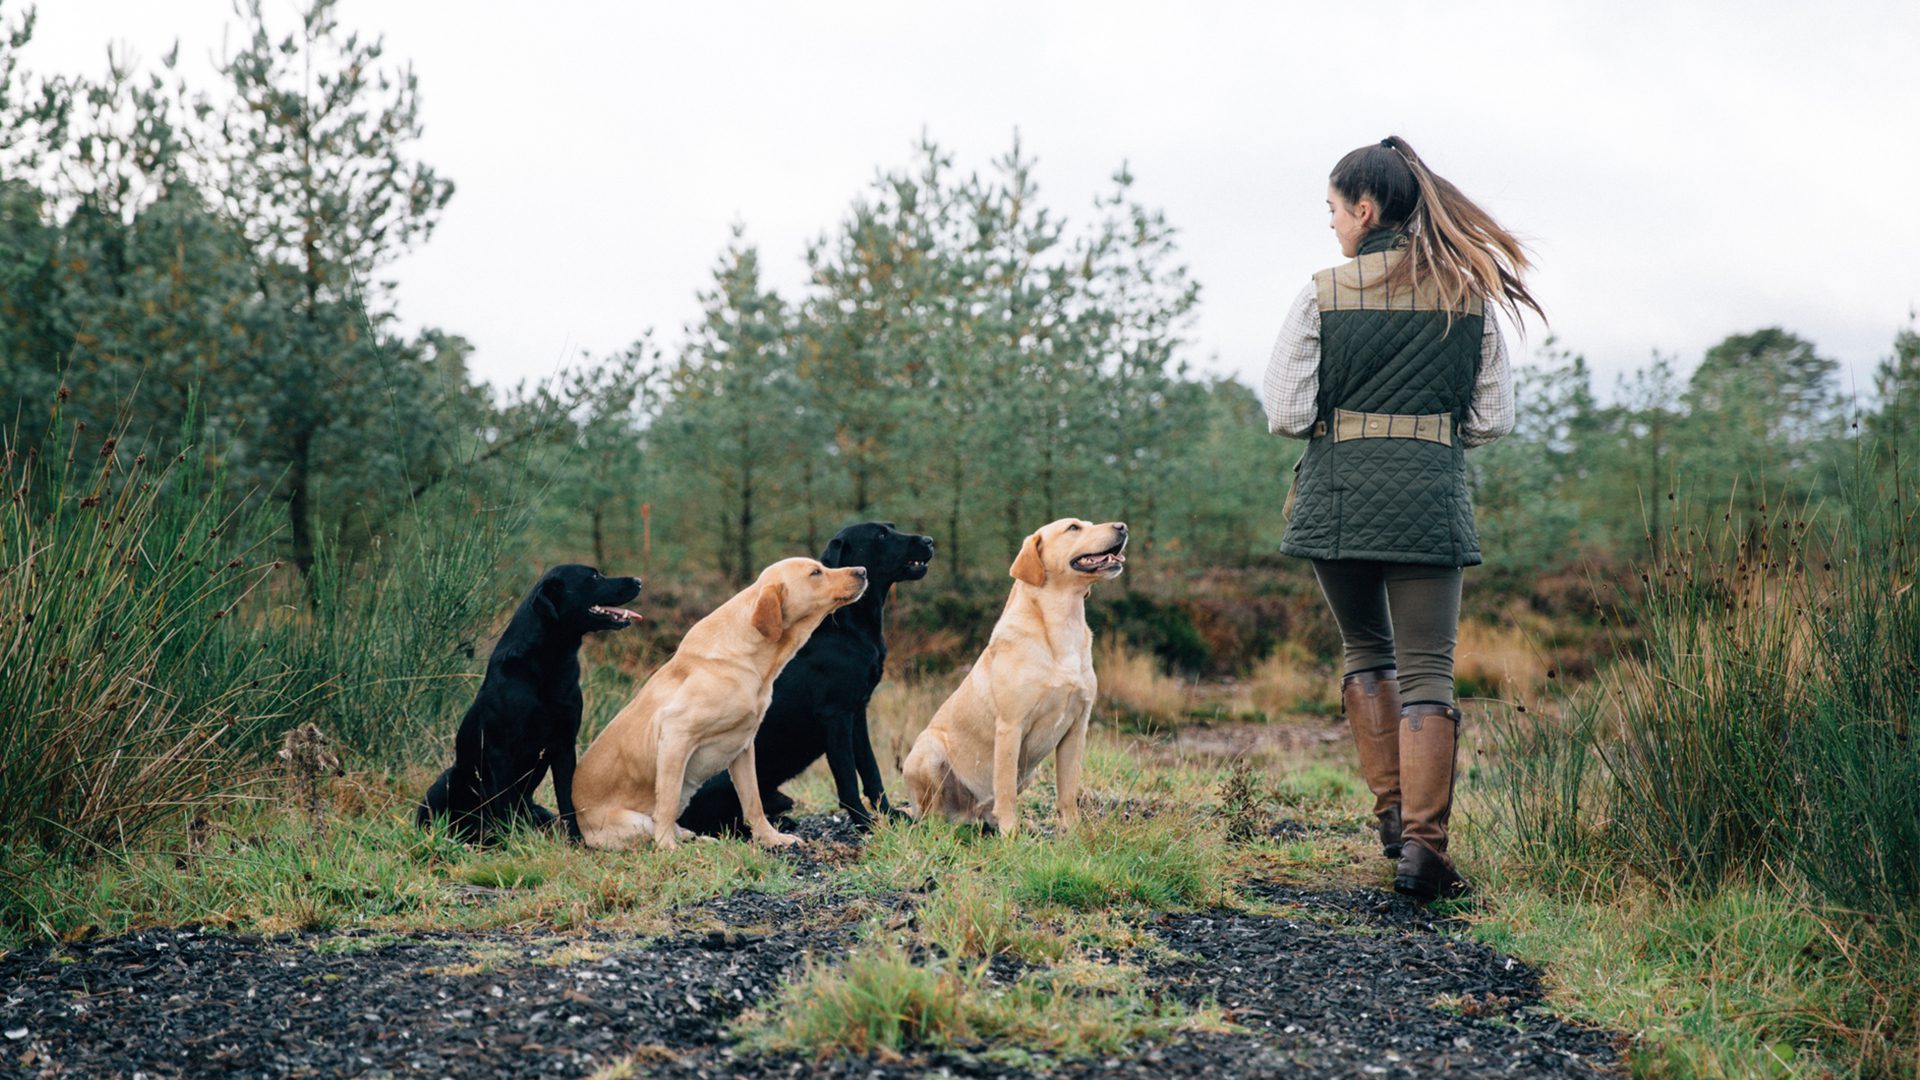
(1030, 693)
(820, 701)
(527, 714)
(697, 715)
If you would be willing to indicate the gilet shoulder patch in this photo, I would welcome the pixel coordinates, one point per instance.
(1360, 285)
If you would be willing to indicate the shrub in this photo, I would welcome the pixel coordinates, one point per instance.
(1761, 734)
(127, 689)
(1765, 722)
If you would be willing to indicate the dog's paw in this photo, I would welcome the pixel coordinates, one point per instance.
(776, 839)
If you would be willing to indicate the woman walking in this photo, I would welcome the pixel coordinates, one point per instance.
(1391, 365)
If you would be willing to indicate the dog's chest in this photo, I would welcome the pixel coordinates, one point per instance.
(1063, 698)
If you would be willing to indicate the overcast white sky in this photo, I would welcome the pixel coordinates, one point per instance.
(1683, 171)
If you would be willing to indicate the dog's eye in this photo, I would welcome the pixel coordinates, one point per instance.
(816, 572)
(1073, 528)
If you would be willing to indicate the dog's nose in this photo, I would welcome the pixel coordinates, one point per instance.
(1120, 526)
(860, 572)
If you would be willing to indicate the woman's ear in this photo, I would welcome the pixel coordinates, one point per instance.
(767, 617)
(1366, 212)
(1027, 566)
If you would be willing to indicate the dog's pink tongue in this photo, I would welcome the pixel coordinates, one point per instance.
(624, 613)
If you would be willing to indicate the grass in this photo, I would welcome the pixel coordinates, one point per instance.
(265, 869)
(1736, 983)
(1712, 844)
(884, 999)
(128, 692)
(168, 652)
(1719, 840)
(1133, 684)
(1499, 660)
(1748, 981)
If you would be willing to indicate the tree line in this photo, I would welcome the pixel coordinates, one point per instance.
(204, 265)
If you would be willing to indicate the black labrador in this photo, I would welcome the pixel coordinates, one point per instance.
(526, 716)
(819, 703)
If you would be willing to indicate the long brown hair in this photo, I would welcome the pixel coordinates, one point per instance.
(1450, 240)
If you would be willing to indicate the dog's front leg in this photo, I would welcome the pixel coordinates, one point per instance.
(746, 784)
(669, 776)
(564, 756)
(840, 762)
(1006, 772)
(869, 768)
(1067, 761)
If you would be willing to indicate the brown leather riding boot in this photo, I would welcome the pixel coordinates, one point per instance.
(1429, 735)
(1372, 703)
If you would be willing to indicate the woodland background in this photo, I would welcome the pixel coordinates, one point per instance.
(202, 266)
(239, 501)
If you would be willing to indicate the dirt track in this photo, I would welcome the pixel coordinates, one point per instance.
(1346, 987)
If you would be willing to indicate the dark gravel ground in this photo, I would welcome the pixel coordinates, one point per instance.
(1349, 991)
(1388, 994)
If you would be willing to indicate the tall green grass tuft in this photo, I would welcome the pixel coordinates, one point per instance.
(1760, 738)
(1764, 726)
(392, 645)
(126, 691)
(152, 649)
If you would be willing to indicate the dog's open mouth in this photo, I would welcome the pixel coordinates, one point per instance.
(1101, 562)
(917, 567)
(620, 616)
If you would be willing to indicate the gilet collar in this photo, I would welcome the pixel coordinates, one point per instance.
(1382, 240)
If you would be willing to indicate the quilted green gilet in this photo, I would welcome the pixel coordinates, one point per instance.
(1393, 499)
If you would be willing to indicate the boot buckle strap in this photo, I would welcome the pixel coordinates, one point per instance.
(1369, 681)
(1416, 714)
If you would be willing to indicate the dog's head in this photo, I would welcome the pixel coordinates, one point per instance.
(888, 554)
(1071, 553)
(795, 592)
(580, 599)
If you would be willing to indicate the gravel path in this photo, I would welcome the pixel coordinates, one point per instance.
(1360, 984)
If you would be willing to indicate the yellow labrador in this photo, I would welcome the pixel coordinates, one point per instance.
(1031, 691)
(699, 711)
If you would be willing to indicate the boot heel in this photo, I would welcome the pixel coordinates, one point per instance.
(1415, 887)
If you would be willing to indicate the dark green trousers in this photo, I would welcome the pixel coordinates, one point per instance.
(1396, 615)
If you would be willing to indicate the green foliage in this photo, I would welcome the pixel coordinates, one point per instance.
(161, 656)
(127, 690)
(1163, 627)
(1526, 488)
(1765, 721)
(879, 1000)
(962, 362)
(885, 1000)
(1762, 734)
(391, 645)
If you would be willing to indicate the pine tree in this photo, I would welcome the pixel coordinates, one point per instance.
(313, 158)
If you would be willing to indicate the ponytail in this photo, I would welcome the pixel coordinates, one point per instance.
(1451, 242)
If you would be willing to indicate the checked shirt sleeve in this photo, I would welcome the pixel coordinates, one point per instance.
(1490, 415)
(1293, 373)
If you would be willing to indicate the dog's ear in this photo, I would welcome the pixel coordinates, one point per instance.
(546, 600)
(835, 547)
(1027, 566)
(766, 610)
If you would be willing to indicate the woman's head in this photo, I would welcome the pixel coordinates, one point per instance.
(1449, 239)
